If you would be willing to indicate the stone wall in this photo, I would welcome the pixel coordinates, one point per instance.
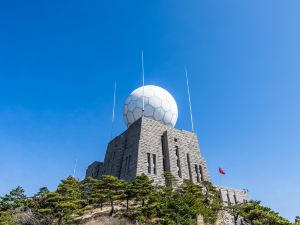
(122, 154)
(153, 148)
(95, 170)
(171, 147)
(232, 196)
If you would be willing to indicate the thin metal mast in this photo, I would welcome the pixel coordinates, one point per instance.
(113, 110)
(143, 80)
(75, 167)
(188, 89)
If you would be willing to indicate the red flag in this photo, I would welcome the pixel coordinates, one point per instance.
(221, 171)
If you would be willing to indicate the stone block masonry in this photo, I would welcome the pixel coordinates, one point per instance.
(153, 148)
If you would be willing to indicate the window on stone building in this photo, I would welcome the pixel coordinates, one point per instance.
(154, 163)
(197, 173)
(175, 139)
(163, 153)
(189, 166)
(178, 161)
(228, 198)
(201, 173)
(149, 162)
(235, 199)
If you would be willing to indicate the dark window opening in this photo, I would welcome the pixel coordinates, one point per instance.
(201, 173)
(163, 153)
(154, 163)
(197, 172)
(164, 164)
(228, 198)
(175, 139)
(149, 162)
(179, 173)
(189, 166)
(178, 161)
(235, 200)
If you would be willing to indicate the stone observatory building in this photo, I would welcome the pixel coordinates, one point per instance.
(151, 145)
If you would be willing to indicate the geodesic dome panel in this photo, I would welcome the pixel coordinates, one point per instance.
(159, 105)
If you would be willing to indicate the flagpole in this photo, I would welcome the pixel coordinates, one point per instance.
(219, 175)
(220, 181)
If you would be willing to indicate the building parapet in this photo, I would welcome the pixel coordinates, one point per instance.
(232, 196)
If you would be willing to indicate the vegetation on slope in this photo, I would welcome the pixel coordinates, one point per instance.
(140, 200)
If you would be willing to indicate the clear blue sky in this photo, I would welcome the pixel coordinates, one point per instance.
(59, 60)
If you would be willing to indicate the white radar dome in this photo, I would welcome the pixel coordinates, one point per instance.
(159, 105)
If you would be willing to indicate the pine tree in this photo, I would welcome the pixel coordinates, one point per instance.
(114, 189)
(211, 193)
(6, 218)
(189, 187)
(233, 210)
(170, 180)
(65, 201)
(38, 207)
(10, 204)
(297, 220)
(16, 199)
(142, 188)
(38, 199)
(129, 194)
(204, 201)
(93, 192)
(254, 213)
(41, 192)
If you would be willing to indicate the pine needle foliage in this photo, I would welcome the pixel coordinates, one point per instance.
(174, 204)
(10, 204)
(113, 189)
(66, 201)
(254, 213)
(142, 188)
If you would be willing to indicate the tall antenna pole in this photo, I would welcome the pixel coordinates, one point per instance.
(143, 80)
(113, 111)
(75, 167)
(188, 89)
